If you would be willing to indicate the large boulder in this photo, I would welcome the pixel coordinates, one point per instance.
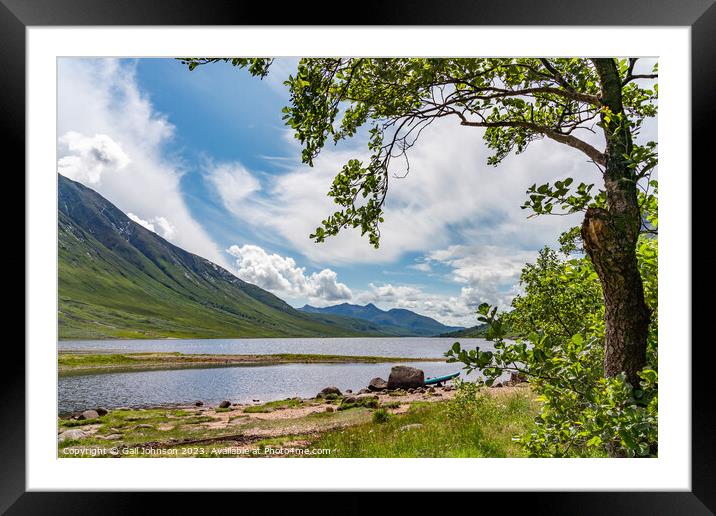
(89, 414)
(377, 384)
(335, 391)
(405, 377)
(225, 404)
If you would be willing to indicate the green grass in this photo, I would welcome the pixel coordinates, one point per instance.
(275, 405)
(89, 362)
(363, 401)
(381, 416)
(472, 426)
(163, 424)
(486, 432)
(98, 360)
(167, 425)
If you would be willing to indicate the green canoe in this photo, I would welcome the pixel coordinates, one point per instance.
(440, 379)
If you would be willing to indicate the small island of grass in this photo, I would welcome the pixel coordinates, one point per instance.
(85, 363)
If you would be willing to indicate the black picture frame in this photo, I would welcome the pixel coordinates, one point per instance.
(700, 15)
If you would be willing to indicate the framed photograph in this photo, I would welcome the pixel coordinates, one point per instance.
(285, 257)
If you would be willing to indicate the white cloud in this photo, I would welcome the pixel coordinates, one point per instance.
(144, 223)
(283, 277)
(402, 296)
(489, 273)
(89, 156)
(487, 268)
(484, 273)
(166, 229)
(158, 225)
(454, 310)
(422, 267)
(450, 195)
(233, 183)
(112, 139)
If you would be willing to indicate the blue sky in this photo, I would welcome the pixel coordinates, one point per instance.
(204, 159)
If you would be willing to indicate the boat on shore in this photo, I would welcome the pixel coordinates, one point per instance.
(440, 379)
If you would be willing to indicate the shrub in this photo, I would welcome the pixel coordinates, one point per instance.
(380, 416)
(466, 402)
(560, 318)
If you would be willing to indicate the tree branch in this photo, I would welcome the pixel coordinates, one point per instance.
(555, 73)
(567, 139)
(640, 76)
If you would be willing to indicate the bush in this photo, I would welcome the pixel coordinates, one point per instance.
(466, 403)
(560, 317)
(381, 416)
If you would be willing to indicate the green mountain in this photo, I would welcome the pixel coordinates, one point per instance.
(396, 321)
(472, 332)
(120, 280)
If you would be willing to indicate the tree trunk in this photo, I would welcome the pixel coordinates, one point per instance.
(610, 237)
(626, 314)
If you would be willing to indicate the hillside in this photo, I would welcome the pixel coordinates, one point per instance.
(396, 321)
(120, 280)
(472, 332)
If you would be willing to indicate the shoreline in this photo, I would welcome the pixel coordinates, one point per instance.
(91, 362)
(303, 424)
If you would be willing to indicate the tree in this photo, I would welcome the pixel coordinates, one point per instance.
(516, 101)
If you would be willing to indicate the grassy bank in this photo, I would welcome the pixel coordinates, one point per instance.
(80, 363)
(440, 430)
(431, 424)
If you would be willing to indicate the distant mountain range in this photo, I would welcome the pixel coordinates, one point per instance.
(120, 280)
(397, 321)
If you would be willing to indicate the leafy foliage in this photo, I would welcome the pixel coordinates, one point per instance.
(561, 351)
(257, 66)
(516, 101)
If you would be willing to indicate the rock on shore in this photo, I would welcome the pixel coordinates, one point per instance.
(335, 391)
(405, 377)
(377, 384)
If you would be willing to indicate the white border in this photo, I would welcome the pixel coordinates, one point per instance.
(671, 471)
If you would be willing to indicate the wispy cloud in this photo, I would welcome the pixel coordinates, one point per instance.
(112, 139)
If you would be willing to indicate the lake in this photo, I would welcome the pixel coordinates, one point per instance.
(428, 347)
(243, 384)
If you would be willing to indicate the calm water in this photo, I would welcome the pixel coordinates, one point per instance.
(246, 383)
(238, 384)
(430, 347)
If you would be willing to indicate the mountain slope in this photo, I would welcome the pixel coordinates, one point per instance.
(472, 332)
(120, 280)
(396, 321)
